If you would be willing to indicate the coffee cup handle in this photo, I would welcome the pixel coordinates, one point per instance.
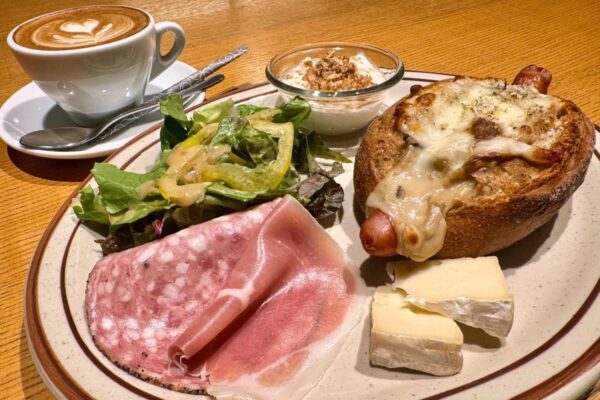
(163, 62)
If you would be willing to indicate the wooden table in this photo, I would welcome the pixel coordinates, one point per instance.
(471, 37)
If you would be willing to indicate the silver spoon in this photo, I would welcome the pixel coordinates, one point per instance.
(67, 138)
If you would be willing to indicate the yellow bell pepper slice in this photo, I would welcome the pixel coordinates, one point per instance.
(197, 138)
(272, 128)
(263, 115)
(181, 158)
(182, 195)
(257, 179)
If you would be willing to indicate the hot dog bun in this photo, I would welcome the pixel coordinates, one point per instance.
(507, 195)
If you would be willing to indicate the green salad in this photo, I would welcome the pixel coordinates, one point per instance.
(221, 160)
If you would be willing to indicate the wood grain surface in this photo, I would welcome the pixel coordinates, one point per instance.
(470, 37)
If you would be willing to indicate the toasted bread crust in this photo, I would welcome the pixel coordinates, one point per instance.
(529, 195)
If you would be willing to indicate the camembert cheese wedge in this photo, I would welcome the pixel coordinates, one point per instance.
(469, 290)
(403, 335)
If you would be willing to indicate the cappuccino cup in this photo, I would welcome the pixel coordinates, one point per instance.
(94, 61)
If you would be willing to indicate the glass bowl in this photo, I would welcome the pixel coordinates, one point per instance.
(344, 111)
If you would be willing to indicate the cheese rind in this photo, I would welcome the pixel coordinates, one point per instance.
(472, 291)
(404, 336)
(494, 317)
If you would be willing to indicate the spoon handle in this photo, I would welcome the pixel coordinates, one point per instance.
(199, 75)
(118, 122)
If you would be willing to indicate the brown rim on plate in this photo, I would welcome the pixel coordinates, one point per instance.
(62, 381)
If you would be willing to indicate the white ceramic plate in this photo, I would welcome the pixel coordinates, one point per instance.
(29, 109)
(553, 349)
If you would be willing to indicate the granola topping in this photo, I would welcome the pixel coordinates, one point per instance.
(334, 73)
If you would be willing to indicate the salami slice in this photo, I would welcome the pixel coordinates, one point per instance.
(139, 300)
(256, 304)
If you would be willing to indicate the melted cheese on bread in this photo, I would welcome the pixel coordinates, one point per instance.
(447, 129)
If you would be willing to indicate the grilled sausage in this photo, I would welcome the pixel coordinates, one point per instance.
(535, 76)
(377, 235)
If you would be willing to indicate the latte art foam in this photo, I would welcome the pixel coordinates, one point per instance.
(90, 32)
(81, 27)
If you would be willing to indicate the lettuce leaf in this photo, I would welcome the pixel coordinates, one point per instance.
(119, 188)
(249, 109)
(295, 111)
(172, 133)
(309, 147)
(177, 126)
(319, 149)
(139, 210)
(90, 208)
(117, 202)
(234, 194)
(245, 141)
(212, 113)
(172, 106)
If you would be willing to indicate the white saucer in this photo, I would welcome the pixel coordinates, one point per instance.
(29, 109)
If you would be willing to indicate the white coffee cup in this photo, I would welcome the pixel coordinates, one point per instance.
(92, 83)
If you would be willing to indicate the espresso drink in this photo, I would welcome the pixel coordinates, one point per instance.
(80, 27)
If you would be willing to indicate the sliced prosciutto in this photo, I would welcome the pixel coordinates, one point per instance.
(254, 305)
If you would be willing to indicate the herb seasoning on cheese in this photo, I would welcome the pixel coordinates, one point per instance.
(447, 132)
